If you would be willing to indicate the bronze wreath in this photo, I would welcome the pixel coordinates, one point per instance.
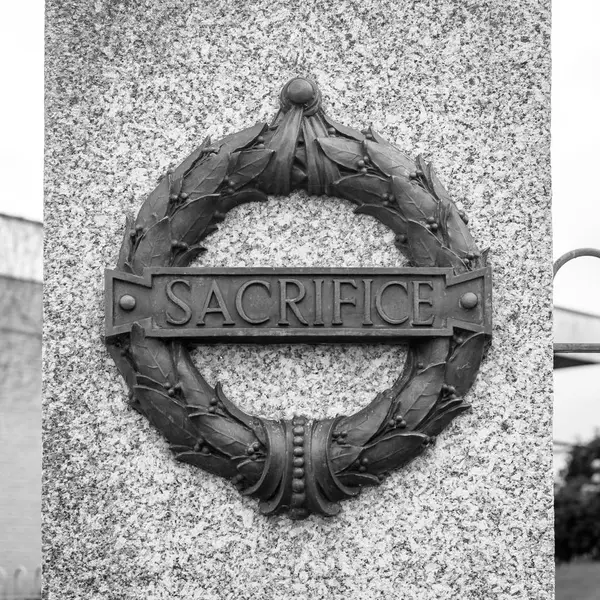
(300, 465)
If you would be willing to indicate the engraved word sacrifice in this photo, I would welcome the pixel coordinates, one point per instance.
(302, 304)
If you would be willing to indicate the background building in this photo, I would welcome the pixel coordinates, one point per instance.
(20, 393)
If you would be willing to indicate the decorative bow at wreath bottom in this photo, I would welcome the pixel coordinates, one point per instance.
(301, 465)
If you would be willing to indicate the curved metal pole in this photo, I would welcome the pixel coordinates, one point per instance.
(564, 348)
(565, 258)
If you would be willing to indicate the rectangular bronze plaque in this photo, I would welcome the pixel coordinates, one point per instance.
(298, 304)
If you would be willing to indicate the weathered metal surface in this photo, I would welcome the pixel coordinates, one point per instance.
(298, 305)
(300, 466)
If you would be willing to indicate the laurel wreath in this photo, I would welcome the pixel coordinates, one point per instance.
(300, 466)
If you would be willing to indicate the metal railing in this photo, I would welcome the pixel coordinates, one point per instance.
(20, 585)
(575, 347)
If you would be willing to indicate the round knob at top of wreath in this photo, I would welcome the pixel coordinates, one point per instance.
(303, 93)
(300, 90)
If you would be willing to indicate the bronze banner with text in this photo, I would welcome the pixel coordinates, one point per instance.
(246, 305)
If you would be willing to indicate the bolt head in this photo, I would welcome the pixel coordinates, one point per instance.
(127, 302)
(469, 300)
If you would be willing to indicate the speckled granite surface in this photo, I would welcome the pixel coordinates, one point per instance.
(132, 88)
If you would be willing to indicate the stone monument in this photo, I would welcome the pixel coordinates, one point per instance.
(132, 91)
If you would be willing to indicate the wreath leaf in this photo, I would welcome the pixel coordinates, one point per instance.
(343, 456)
(167, 416)
(148, 382)
(361, 188)
(389, 159)
(251, 469)
(243, 138)
(226, 436)
(352, 479)
(433, 182)
(182, 170)
(363, 425)
(218, 465)
(190, 221)
(342, 151)
(238, 414)
(123, 365)
(344, 130)
(420, 394)
(154, 248)
(247, 166)
(155, 206)
(196, 390)
(184, 259)
(126, 246)
(393, 450)
(151, 357)
(439, 420)
(426, 250)
(206, 176)
(459, 237)
(415, 203)
(464, 362)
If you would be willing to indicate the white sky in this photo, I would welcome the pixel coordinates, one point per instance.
(22, 107)
(575, 151)
(576, 197)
